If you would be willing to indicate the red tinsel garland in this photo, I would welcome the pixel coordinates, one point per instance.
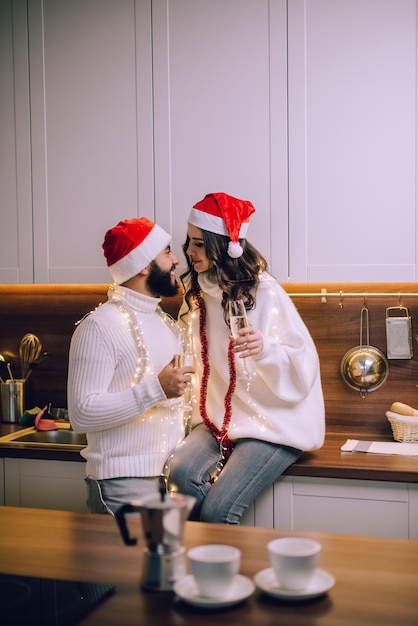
(222, 434)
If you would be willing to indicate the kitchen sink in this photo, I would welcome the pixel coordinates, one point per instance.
(63, 437)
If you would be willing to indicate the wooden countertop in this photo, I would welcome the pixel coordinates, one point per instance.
(328, 462)
(376, 578)
(331, 462)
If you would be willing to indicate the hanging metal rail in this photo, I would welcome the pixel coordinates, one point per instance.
(324, 294)
(360, 294)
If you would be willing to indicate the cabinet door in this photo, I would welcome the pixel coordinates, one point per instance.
(41, 484)
(413, 510)
(16, 244)
(92, 146)
(359, 507)
(220, 113)
(352, 140)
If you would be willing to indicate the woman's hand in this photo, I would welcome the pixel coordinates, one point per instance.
(249, 342)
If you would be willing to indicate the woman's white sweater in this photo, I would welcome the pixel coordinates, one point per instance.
(284, 403)
(131, 428)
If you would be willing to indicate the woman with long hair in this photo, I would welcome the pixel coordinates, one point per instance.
(257, 397)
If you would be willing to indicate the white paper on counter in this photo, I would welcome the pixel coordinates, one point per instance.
(380, 447)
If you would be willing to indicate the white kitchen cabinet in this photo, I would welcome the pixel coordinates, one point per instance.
(16, 243)
(38, 483)
(307, 108)
(77, 147)
(133, 113)
(413, 511)
(92, 130)
(352, 140)
(220, 91)
(360, 507)
(118, 109)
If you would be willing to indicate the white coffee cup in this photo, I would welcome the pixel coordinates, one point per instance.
(214, 568)
(293, 560)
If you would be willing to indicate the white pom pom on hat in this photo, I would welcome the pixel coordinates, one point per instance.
(131, 245)
(235, 249)
(225, 215)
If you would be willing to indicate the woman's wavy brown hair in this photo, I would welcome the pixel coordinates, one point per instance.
(237, 278)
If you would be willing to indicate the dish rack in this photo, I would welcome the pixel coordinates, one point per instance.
(404, 428)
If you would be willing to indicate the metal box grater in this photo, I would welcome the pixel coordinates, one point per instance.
(398, 333)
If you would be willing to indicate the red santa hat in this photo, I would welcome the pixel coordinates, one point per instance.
(224, 215)
(131, 245)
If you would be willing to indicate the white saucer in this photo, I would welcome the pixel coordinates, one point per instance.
(241, 589)
(320, 583)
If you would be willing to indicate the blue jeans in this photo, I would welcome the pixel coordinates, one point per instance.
(251, 468)
(107, 496)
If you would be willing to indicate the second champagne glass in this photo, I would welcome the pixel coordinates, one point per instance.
(238, 320)
(186, 359)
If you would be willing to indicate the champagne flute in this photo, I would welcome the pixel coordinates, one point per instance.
(238, 320)
(186, 359)
(181, 359)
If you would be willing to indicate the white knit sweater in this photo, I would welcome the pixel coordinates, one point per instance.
(285, 402)
(131, 429)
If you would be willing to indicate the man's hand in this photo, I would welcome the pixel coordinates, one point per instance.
(174, 379)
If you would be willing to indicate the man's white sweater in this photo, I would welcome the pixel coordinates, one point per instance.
(131, 428)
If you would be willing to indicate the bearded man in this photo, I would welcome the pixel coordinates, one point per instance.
(124, 389)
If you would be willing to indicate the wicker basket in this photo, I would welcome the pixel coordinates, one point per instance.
(404, 428)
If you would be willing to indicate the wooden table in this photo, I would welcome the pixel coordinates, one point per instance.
(376, 579)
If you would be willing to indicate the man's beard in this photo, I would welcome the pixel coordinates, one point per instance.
(160, 282)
